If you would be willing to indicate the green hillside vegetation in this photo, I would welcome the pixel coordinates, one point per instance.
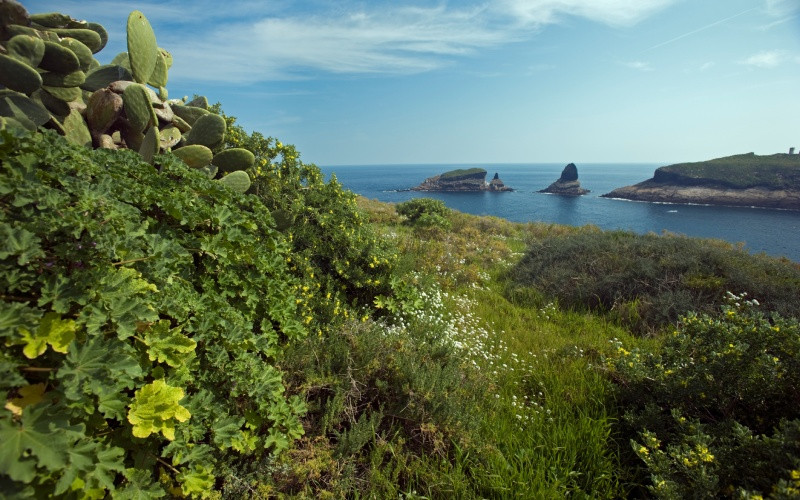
(166, 334)
(778, 171)
(461, 172)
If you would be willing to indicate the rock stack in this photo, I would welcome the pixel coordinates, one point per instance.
(567, 184)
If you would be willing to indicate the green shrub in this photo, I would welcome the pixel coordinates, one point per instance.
(715, 412)
(342, 263)
(143, 317)
(425, 212)
(649, 281)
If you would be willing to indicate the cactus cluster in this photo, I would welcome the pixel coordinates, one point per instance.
(50, 78)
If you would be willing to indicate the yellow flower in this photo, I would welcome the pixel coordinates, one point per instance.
(644, 451)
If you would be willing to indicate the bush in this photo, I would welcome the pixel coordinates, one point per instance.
(144, 314)
(425, 212)
(717, 411)
(649, 281)
(342, 263)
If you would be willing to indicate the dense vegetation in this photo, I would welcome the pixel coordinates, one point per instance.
(649, 281)
(462, 172)
(164, 335)
(778, 171)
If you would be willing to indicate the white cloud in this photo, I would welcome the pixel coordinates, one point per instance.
(611, 12)
(782, 7)
(245, 41)
(770, 59)
(638, 65)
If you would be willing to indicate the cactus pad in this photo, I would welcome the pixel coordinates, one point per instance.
(103, 76)
(72, 79)
(83, 52)
(65, 94)
(101, 32)
(208, 130)
(234, 159)
(88, 37)
(199, 102)
(150, 145)
(27, 49)
(51, 19)
(189, 114)
(170, 136)
(16, 75)
(238, 181)
(142, 48)
(59, 59)
(103, 109)
(22, 107)
(138, 107)
(158, 78)
(195, 155)
(75, 129)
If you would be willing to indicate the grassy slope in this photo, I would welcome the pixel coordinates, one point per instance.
(462, 172)
(550, 431)
(778, 171)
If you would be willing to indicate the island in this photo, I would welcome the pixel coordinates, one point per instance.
(468, 180)
(568, 184)
(749, 180)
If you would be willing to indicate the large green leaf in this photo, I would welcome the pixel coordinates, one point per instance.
(52, 330)
(155, 409)
(168, 345)
(38, 438)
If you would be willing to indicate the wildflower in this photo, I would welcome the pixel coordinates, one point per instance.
(644, 451)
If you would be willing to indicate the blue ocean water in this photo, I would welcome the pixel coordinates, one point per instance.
(774, 232)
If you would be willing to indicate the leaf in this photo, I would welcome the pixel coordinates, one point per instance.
(28, 395)
(140, 486)
(155, 408)
(167, 345)
(47, 446)
(103, 367)
(59, 291)
(277, 440)
(20, 242)
(52, 330)
(198, 481)
(226, 429)
(127, 299)
(14, 316)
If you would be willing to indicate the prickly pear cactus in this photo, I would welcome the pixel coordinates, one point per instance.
(52, 79)
(238, 181)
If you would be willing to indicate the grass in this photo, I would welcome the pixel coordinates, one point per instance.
(778, 171)
(461, 172)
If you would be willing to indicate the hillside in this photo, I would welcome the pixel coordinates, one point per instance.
(771, 181)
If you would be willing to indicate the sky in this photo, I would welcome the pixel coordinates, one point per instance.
(497, 81)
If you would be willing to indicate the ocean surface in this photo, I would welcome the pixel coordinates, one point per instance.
(774, 232)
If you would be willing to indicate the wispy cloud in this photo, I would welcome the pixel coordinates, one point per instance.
(245, 41)
(698, 30)
(638, 65)
(707, 65)
(611, 12)
(782, 7)
(770, 59)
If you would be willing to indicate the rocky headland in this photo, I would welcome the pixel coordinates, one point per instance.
(462, 181)
(567, 184)
(769, 181)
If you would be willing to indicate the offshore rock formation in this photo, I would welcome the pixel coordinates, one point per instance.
(567, 184)
(746, 180)
(463, 181)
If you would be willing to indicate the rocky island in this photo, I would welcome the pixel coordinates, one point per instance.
(568, 184)
(750, 180)
(462, 181)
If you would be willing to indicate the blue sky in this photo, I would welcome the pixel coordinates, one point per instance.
(374, 82)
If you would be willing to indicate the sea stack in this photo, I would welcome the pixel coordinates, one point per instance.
(567, 184)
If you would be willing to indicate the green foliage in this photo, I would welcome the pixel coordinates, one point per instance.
(425, 212)
(462, 172)
(342, 263)
(714, 412)
(778, 171)
(648, 281)
(142, 322)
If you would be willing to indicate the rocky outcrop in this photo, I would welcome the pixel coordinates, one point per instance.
(567, 184)
(462, 181)
(741, 180)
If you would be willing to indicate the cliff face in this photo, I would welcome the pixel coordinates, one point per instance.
(742, 180)
(466, 181)
(567, 184)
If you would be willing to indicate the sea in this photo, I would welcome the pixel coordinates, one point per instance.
(774, 232)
